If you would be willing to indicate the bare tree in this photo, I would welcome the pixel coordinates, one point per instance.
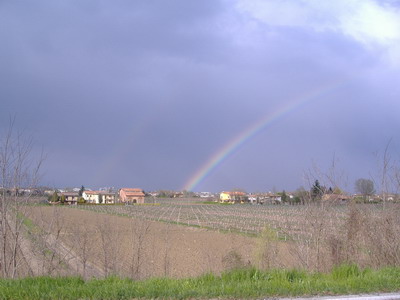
(388, 169)
(167, 250)
(320, 247)
(17, 170)
(84, 244)
(365, 187)
(110, 247)
(267, 249)
(50, 239)
(140, 230)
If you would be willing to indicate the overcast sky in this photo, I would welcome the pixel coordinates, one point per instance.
(143, 93)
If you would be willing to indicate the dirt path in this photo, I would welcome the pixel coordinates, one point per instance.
(25, 250)
(37, 265)
(72, 259)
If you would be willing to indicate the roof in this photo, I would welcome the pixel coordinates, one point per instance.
(237, 193)
(91, 192)
(129, 192)
(97, 193)
(132, 190)
(70, 194)
(107, 193)
(335, 197)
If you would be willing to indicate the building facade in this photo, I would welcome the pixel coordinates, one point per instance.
(129, 195)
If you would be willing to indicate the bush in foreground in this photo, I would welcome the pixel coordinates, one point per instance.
(243, 283)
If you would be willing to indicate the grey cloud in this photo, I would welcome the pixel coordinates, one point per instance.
(144, 93)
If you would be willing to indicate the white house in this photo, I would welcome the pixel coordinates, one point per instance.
(91, 196)
(98, 197)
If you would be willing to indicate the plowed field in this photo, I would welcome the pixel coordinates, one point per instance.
(140, 248)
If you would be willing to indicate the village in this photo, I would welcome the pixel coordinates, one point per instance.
(75, 196)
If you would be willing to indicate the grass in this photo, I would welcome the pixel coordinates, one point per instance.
(213, 203)
(32, 228)
(33, 234)
(244, 283)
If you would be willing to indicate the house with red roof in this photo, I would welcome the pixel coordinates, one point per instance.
(129, 195)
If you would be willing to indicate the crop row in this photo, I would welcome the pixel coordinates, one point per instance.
(294, 222)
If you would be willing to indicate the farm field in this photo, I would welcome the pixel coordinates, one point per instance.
(187, 239)
(139, 248)
(287, 222)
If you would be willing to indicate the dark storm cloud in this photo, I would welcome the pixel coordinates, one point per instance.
(143, 92)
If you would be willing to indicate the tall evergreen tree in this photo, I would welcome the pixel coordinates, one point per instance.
(284, 197)
(54, 197)
(316, 191)
(81, 190)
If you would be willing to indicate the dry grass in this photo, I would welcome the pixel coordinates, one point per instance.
(317, 238)
(141, 249)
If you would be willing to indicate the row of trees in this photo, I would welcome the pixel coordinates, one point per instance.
(364, 187)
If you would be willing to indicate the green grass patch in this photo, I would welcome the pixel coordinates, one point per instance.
(28, 223)
(212, 203)
(244, 283)
(33, 233)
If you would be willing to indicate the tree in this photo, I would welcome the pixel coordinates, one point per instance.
(81, 190)
(284, 197)
(165, 194)
(62, 199)
(316, 191)
(302, 196)
(337, 191)
(188, 194)
(18, 170)
(296, 200)
(100, 199)
(54, 197)
(365, 187)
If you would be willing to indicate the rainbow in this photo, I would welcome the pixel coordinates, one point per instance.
(223, 153)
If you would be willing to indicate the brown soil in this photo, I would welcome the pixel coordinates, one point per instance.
(141, 249)
(18, 262)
